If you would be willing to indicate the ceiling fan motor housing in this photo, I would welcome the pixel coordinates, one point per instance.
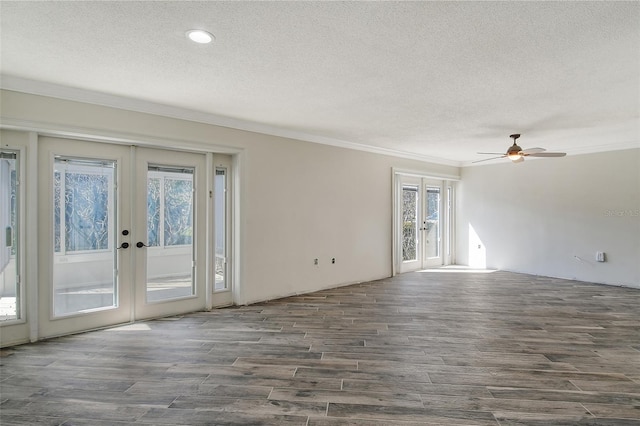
(513, 149)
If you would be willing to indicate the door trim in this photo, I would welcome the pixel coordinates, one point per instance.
(447, 206)
(128, 306)
(29, 132)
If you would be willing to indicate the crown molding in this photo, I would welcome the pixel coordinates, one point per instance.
(92, 135)
(604, 148)
(41, 88)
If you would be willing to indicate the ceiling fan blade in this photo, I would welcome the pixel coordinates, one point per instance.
(548, 154)
(530, 151)
(493, 153)
(487, 159)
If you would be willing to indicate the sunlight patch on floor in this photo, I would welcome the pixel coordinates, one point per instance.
(131, 327)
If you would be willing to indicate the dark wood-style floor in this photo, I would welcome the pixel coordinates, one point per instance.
(437, 348)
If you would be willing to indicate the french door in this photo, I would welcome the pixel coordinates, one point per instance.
(122, 234)
(170, 209)
(423, 223)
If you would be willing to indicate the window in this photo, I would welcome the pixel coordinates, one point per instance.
(169, 207)
(82, 195)
(84, 261)
(220, 205)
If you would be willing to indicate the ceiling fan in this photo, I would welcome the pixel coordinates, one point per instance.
(517, 154)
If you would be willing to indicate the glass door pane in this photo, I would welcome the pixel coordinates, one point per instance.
(409, 229)
(220, 269)
(169, 233)
(84, 248)
(409, 223)
(220, 228)
(432, 223)
(10, 303)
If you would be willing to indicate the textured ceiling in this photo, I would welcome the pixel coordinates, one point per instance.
(438, 79)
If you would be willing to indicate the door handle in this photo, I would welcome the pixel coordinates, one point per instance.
(140, 244)
(123, 246)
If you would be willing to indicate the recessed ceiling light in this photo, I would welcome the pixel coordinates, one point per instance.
(200, 36)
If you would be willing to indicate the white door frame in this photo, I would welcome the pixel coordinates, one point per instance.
(18, 330)
(219, 297)
(132, 305)
(426, 235)
(447, 218)
(49, 324)
(25, 136)
(413, 186)
(145, 157)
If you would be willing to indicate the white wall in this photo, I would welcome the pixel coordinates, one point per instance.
(298, 200)
(549, 217)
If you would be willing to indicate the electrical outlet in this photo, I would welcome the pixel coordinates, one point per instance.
(315, 261)
(600, 256)
(333, 260)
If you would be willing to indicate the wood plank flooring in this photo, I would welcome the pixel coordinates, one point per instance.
(436, 348)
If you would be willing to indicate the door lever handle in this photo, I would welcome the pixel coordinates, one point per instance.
(123, 246)
(140, 244)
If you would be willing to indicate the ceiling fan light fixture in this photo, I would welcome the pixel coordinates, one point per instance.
(514, 152)
(513, 156)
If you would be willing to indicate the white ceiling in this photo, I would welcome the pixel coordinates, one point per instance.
(434, 79)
